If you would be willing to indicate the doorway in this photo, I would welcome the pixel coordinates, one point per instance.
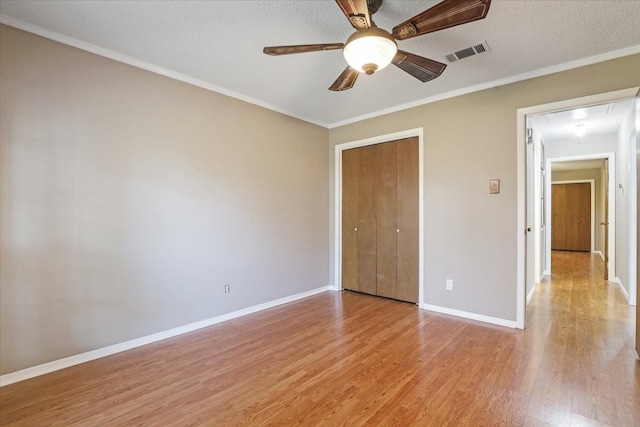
(595, 170)
(526, 201)
(573, 215)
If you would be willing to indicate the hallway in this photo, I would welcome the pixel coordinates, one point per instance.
(589, 370)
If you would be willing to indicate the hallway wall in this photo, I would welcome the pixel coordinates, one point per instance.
(625, 204)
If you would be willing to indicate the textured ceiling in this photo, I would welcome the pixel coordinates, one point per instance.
(595, 120)
(219, 44)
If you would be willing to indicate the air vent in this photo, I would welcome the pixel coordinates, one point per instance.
(467, 52)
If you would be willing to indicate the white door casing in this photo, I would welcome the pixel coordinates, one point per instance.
(521, 159)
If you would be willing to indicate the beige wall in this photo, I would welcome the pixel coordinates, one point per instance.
(596, 175)
(129, 200)
(470, 235)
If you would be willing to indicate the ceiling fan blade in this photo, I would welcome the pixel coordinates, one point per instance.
(346, 80)
(357, 12)
(301, 48)
(423, 69)
(448, 13)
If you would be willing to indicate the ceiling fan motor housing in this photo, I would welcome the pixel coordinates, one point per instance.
(369, 68)
(373, 5)
(371, 49)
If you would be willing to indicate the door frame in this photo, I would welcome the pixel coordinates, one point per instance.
(339, 148)
(611, 204)
(592, 209)
(521, 209)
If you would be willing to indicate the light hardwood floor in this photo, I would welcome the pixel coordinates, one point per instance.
(351, 359)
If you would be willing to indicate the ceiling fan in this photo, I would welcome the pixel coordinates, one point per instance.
(371, 48)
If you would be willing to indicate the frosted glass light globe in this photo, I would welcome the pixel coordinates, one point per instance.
(370, 50)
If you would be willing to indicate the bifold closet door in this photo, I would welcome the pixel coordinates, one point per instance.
(408, 220)
(380, 219)
(359, 220)
(386, 219)
(571, 217)
(582, 212)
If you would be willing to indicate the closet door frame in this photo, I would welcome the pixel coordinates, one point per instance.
(337, 216)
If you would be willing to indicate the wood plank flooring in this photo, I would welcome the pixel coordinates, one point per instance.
(352, 359)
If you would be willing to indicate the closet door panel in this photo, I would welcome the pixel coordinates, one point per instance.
(408, 219)
(571, 217)
(367, 253)
(583, 242)
(350, 172)
(386, 215)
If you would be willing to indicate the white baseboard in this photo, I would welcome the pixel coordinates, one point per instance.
(599, 253)
(624, 291)
(468, 315)
(56, 365)
(531, 293)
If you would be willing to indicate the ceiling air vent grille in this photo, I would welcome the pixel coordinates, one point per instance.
(467, 52)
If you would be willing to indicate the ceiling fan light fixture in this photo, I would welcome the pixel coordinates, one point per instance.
(370, 50)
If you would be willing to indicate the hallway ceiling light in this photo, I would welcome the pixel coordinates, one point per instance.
(579, 130)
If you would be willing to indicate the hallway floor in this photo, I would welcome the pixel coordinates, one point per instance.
(588, 372)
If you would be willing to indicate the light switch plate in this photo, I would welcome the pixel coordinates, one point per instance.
(494, 186)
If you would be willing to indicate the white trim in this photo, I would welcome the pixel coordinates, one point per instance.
(337, 281)
(521, 113)
(521, 220)
(633, 211)
(97, 50)
(592, 190)
(56, 365)
(532, 292)
(598, 253)
(625, 294)
(468, 315)
(496, 83)
(71, 41)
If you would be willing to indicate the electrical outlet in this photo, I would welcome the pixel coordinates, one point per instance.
(227, 288)
(449, 285)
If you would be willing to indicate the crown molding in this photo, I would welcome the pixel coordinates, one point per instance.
(70, 41)
(632, 50)
(88, 47)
